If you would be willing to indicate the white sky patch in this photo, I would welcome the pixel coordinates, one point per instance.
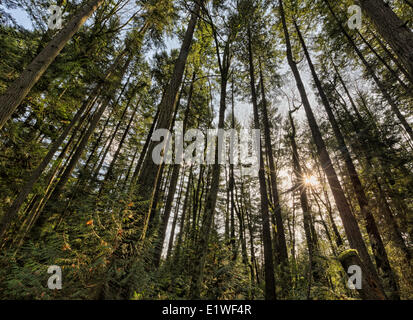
(21, 17)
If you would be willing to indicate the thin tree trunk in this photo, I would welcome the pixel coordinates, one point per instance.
(266, 231)
(177, 252)
(109, 172)
(109, 140)
(232, 182)
(175, 218)
(392, 72)
(143, 151)
(281, 242)
(308, 230)
(391, 56)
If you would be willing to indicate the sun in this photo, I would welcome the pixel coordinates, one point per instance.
(310, 181)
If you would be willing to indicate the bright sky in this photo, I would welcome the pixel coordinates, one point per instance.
(21, 17)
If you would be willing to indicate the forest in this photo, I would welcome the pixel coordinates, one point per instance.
(317, 95)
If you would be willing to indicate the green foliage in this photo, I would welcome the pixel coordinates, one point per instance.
(102, 226)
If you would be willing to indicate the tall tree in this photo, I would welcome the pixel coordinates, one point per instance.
(350, 224)
(268, 253)
(376, 242)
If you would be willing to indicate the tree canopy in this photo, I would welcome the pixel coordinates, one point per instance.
(316, 94)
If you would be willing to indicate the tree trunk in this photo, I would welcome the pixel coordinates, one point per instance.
(368, 290)
(108, 143)
(266, 231)
(392, 57)
(172, 187)
(19, 89)
(109, 172)
(85, 139)
(308, 230)
(395, 31)
(280, 234)
(376, 242)
(167, 107)
(349, 222)
(370, 70)
(143, 152)
(177, 252)
(232, 183)
(210, 203)
(175, 218)
(392, 72)
(382, 203)
(12, 212)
